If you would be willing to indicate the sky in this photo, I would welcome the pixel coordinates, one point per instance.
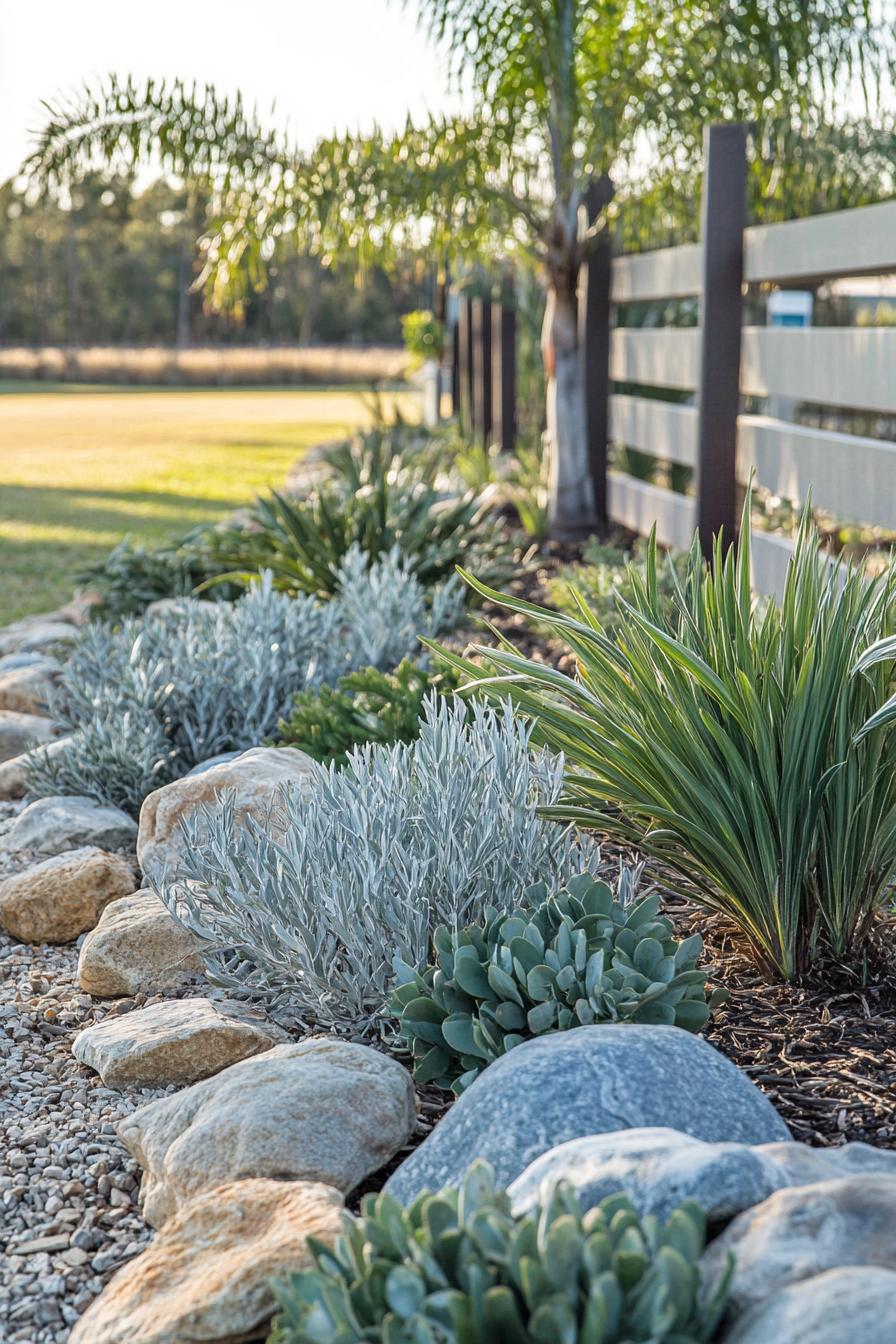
(326, 64)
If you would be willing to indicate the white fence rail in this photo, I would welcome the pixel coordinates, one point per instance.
(847, 369)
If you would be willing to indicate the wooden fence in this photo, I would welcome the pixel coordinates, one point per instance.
(720, 362)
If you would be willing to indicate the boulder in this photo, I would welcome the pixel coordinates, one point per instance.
(207, 1274)
(660, 1168)
(137, 947)
(57, 900)
(800, 1232)
(167, 606)
(176, 1042)
(54, 825)
(29, 689)
(320, 1110)
(11, 662)
(19, 732)
(14, 780)
(36, 635)
(841, 1306)
(594, 1080)
(255, 779)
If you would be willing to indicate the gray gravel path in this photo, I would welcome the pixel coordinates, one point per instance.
(68, 1189)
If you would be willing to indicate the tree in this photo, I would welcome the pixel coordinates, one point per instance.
(564, 91)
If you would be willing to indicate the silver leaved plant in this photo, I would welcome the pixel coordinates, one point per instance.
(367, 861)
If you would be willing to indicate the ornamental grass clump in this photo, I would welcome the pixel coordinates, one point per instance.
(751, 747)
(368, 860)
(459, 1267)
(147, 700)
(572, 959)
(380, 494)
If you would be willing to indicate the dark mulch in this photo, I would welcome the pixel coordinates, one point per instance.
(824, 1049)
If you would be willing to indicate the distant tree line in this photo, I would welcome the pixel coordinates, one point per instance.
(115, 266)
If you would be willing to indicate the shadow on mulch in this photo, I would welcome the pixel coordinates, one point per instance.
(824, 1049)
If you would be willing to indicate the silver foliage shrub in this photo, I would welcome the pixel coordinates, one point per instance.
(149, 699)
(369, 860)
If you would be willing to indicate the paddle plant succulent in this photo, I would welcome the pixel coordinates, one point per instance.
(460, 1268)
(573, 959)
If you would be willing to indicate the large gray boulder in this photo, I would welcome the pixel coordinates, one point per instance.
(321, 1110)
(798, 1233)
(20, 732)
(54, 825)
(660, 1168)
(856, 1305)
(594, 1080)
(254, 779)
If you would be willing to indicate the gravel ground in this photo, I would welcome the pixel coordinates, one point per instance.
(68, 1190)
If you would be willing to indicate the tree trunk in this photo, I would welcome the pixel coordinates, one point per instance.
(571, 512)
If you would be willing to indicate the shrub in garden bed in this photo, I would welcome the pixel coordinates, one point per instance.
(572, 959)
(130, 577)
(750, 747)
(605, 581)
(374, 857)
(366, 706)
(377, 496)
(152, 698)
(459, 1268)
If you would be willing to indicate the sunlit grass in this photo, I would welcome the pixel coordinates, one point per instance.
(82, 467)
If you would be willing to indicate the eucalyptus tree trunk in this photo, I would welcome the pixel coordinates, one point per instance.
(570, 489)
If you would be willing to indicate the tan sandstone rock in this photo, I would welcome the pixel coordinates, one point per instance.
(57, 900)
(28, 689)
(177, 1042)
(320, 1110)
(21, 732)
(207, 1275)
(255, 779)
(14, 773)
(137, 947)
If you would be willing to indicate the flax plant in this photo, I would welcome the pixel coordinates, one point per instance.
(748, 745)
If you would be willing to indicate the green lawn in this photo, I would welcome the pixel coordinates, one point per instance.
(81, 467)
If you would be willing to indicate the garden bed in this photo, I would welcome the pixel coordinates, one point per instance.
(261, 950)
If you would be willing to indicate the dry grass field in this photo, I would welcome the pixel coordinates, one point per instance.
(227, 366)
(81, 467)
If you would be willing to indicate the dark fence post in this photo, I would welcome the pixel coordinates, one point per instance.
(455, 366)
(721, 307)
(482, 368)
(465, 361)
(504, 369)
(594, 344)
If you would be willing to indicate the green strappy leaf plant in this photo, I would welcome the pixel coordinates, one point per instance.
(750, 746)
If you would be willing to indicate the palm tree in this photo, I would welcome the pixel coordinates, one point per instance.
(564, 90)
